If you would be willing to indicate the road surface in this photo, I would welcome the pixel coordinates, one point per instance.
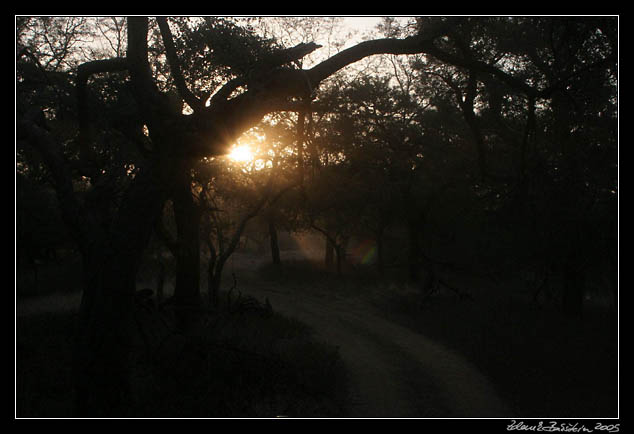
(394, 372)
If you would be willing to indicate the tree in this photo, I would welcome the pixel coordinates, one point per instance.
(228, 79)
(532, 153)
(229, 195)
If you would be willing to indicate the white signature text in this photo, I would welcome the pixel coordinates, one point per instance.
(554, 426)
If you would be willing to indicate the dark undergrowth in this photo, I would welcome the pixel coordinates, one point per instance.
(254, 364)
(49, 277)
(543, 363)
(43, 374)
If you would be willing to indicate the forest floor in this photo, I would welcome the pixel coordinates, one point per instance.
(394, 372)
(490, 357)
(494, 354)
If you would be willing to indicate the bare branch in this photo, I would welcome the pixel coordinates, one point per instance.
(226, 90)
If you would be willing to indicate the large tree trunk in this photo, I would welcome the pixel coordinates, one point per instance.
(101, 374)
(102, 377)
(214, 281)
(188, 216)
(329, 256)
(571, 206)
(340, 253)
(111, 259)
(413, 252)
(275, 246)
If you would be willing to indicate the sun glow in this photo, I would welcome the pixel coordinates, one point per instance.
(241, 154)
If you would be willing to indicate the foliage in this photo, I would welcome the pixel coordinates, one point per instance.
(493, 132)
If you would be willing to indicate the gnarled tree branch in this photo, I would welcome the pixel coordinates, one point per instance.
(411, 45)
(137, 57)
(174, 63)
(80, 221)
(84, 72)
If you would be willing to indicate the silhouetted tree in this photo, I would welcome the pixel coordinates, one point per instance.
(220, 79)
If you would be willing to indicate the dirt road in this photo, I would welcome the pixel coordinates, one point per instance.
(395, 373)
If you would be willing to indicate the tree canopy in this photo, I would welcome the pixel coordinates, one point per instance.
(501, 128)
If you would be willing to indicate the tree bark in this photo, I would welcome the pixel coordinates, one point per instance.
(101, 359)
(570, 210)
(329, 256)
(214, 280)
(102, 377)
(340, 253)
(275, 247)
(413, 252)
(188, 217)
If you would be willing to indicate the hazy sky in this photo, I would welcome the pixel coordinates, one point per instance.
(362, 22)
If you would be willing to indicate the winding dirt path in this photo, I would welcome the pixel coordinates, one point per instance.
(395, 372)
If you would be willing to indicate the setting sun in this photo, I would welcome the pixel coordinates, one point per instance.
(241, 154)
